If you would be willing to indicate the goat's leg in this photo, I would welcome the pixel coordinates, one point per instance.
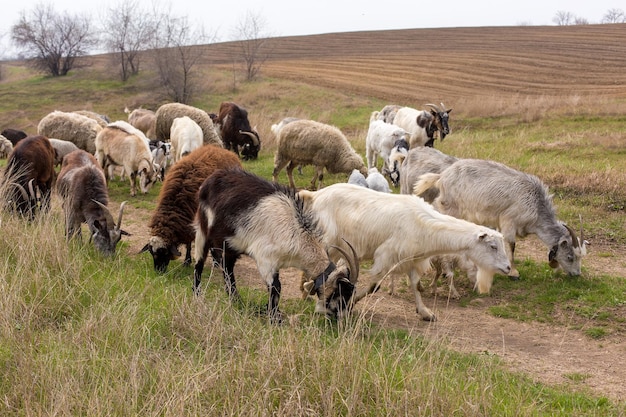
(133, 184)
(421, 309)
(276, 317)
(187, 260)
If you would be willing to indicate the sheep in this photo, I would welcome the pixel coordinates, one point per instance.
(422, 125)
(376, 181)
(401, 232)
(144, 120)
(121, 144)
(62, 148)
(171, 222)
(13, 135)
(308, 142)
(241, 213)
(234, 129)
(166, 114)
(357, 178)
(100, 118)
(423, 160)
(82, 187)
(30, 166)
(76, 128)
(6, 147)
(514, 202)
(186, 135)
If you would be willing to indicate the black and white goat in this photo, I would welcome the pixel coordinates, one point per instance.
(82, 187)
(240, 213)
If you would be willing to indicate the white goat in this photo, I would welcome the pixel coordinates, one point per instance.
(401, 232)
(185, 136)
(123, 145)
(418, 124)
(381, 139)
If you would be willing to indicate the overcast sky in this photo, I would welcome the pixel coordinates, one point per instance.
(287, 18)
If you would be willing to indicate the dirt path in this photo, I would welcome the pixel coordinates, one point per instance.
(547, 353)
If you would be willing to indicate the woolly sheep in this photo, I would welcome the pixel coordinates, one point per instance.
(62, 148)
(307, 142)
(100, 118)
(78, 129)
(6, 147)
(166, 114)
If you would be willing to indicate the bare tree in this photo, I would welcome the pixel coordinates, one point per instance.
(252, 37)
(52, 40)
(580, 21)
(127, 30)
(614, 16)
(175, 54)
(563, 18)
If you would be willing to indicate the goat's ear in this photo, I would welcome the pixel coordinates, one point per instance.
(449, 111)
(552, 257)
(145, 248)
(482, 236)
(125, 233)
(305, 195)
(174, 252)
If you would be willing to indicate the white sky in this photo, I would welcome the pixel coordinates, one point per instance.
(287, 18)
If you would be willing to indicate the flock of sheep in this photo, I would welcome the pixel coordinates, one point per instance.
(450, 212)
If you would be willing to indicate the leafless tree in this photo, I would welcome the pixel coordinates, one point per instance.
(563, 18)
(614, 16)
(127, 30)
(580, 21)
(252, 40)
(53, 40)
(176, 53)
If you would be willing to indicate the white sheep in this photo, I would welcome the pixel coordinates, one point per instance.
(307, 142)
(6, 147)
(119, 144)
(73, 127)
(357, 178)
(376, 181)
(185, 136)
(62, 148)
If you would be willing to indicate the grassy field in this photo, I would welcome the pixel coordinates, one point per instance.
(83, 335)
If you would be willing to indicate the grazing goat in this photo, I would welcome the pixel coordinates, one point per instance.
(186, 136)
(306, 142)
(397, 155)
(123, 145)
(82, 187)
(241, 213)
(234, 128)
(30, 166)
(166, 114)
(423, 160)
(73, 127)
(171, 222)
(14, 135)
(6, 147)
(144, 120)
(401, 232)
(380, 140)
(422, 125)
(516, 203)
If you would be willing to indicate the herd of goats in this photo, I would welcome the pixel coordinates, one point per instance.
(450, 213)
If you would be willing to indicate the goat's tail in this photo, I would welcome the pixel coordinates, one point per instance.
(425, 182)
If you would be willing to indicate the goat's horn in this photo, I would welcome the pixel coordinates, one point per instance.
(106, 211)
(353, 261)
(443, 107)
(575, 241)
(22, 190)
(31, 189)
(119, 217)
(434, 106)
(255, 140)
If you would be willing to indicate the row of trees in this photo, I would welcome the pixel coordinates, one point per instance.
(565, 18)
(53, 41)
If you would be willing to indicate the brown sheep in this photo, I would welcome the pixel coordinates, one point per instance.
(171, 222)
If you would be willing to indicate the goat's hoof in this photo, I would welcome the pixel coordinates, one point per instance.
(429, 318)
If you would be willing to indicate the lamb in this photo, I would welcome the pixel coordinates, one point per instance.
(514, 202)
(380, 140)
(6, 147)
(82, 187)
(376, 181)
(144, 120)
(401, 232)
(76, 128)
(307, 142)
(30, 166)
(186, 136)
(62, 148)
(171, 222)
(122, 145)
(240, 213)
(166, 114)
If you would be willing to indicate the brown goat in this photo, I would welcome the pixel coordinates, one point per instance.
(82, 186)
(171, 223)
(31, 167)
(235, 131)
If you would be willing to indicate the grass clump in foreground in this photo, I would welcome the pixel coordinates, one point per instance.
(85, 335)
